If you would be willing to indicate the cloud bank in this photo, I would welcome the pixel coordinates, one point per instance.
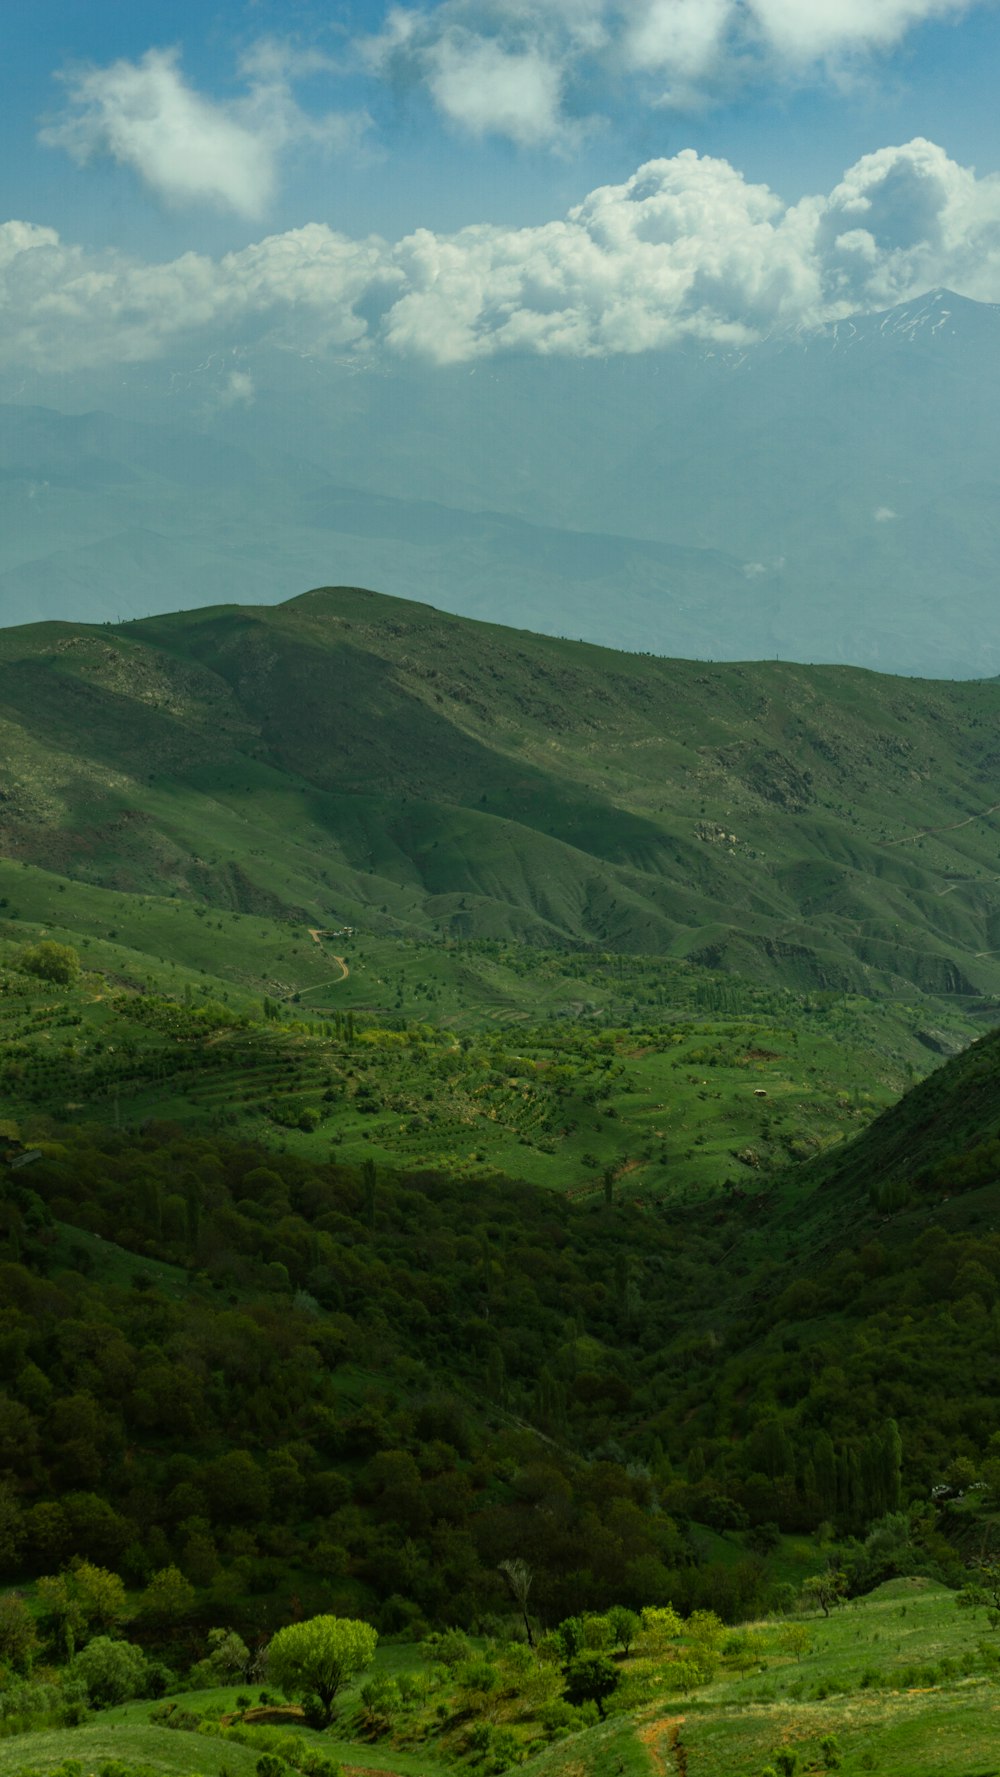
(527, 70)
(685, 248)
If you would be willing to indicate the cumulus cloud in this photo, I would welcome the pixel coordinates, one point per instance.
(67, 309)
(685, 248)
(491, 68)
(883, 514)
(681, 37)
(188, 148)
(487, 88)
(466, 53)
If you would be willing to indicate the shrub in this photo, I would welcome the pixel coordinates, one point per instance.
(380, 1700)
(591, 1678)
(557, 1718)
(449, 1648)
(51, 962)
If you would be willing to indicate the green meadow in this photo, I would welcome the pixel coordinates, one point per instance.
(899, 1682)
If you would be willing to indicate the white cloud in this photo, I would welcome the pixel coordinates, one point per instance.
(685, 248)
(883, 514)
(185, 147)
(906, 219)
(681, 37)
(66, 309)
(488, 89)
(467, 52)
(810, 30)
(143, 115)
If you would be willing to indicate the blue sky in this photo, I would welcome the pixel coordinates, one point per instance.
(152, 149)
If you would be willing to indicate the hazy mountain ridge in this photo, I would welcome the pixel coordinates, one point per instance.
(827, 495)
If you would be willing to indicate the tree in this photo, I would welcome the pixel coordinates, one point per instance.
(660, 1625)
(827, 1589)
(18, 1636)
(113, 1671)
(12, 1529)
(237, 1490)
(796, 1639)
(704, 1632)
(61, 1611)
(983, 1593)
(590, 1678)
(101, 1593)
(228, 1659)
(317, 1657)
(892, 1465)
(168, 1597)
(519, 1576)
(368, 1182)
(625, 1625)
(380, 1699)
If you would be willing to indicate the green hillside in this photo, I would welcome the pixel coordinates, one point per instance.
(350, 759)
(477, 1057)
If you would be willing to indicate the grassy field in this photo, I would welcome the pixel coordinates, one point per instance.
(885, 1676)
(900, 1683)
(668, 1078)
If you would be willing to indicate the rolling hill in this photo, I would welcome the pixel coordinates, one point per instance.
(349, 758)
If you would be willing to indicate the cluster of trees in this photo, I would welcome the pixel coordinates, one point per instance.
(342, 1374)
(47, 1679)
(84, 1643)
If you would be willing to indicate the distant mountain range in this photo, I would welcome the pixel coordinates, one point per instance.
(831, 495)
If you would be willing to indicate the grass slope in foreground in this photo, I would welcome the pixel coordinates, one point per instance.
(899, 1683)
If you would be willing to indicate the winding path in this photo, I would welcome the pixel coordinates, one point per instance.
(317, 935)
(665, 1746)
(949, 827)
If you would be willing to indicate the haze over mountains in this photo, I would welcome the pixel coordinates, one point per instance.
(791, 500)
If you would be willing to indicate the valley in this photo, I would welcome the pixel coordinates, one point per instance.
(469, 1099)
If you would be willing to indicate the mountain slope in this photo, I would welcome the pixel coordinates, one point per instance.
(356, 757)
(941, 1141)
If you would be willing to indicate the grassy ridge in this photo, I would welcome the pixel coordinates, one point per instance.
(350, 759)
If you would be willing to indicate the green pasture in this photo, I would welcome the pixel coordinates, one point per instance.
(886, 1675)
(564, 1069)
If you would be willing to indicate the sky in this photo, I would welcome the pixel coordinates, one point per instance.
(455, 180)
